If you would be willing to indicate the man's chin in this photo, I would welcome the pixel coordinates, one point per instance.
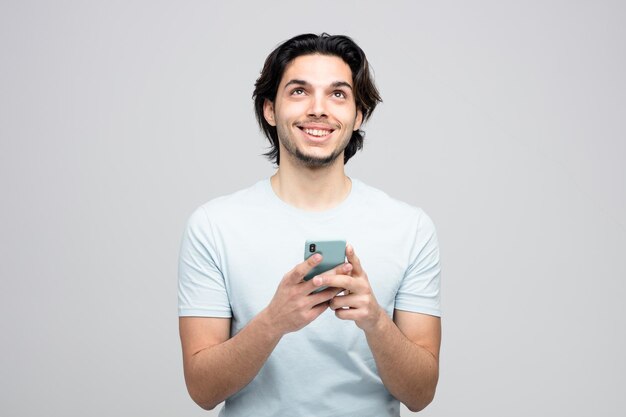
(316, 161)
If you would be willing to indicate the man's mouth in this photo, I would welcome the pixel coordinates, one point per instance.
(316, 132)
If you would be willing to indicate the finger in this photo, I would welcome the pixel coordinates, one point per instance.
(316, 311)
(347, 314)
(324, 296)
(344, 269)
(345, 301)
(338, 280)
(354, 260)
(341, 269)
(299, 271)
(310, 285)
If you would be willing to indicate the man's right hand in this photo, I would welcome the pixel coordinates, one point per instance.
(294, 306)
(208, 351)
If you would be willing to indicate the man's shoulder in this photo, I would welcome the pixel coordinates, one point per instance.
(229, 204)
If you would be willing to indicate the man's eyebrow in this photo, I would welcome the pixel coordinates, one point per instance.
(297, 82)
(306, 84)
(341, 84)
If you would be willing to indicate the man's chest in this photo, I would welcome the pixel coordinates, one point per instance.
(255, 267)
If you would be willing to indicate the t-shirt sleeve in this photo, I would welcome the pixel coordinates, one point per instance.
(201, 287)
(419, 290)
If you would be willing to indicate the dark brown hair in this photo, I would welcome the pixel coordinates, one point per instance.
(365, 93)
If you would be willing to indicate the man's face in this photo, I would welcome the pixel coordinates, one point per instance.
(314, 111)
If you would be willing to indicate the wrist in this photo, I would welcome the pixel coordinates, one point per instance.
(379, 322)
(268, 324)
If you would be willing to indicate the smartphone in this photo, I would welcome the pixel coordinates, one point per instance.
(333, 254)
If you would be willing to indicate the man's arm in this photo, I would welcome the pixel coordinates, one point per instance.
(217, 366)
(406, 352)
(407, 356)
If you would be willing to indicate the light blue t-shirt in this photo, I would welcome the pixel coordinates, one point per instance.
(236, 250)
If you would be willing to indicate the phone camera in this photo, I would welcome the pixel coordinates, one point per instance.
(312, 247)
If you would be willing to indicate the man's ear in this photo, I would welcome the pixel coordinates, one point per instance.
(268, 112)
(359, 120)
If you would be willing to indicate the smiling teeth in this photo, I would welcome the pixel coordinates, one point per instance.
(317, 132)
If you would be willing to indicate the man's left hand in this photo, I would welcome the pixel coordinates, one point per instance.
(363, 308)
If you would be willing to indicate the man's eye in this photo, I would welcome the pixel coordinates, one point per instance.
(297, 92)
(339, 94)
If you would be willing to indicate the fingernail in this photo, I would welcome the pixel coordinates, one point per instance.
(347, 267)
(317, 280)
(317, 257)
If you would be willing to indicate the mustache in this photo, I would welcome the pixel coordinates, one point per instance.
(318, 122)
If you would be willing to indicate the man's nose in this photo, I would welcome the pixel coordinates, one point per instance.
(317, 106)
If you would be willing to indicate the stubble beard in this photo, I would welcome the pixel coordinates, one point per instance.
(310, 161)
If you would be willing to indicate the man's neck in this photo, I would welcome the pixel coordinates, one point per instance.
(311, 189)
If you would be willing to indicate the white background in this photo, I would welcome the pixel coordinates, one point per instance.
(504, 120)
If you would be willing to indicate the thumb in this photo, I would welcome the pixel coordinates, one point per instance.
(354, 260)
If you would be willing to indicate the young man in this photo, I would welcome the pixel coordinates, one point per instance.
(258, 336)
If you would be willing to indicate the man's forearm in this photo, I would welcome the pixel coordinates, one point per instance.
(220, 371)
(409, 371)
